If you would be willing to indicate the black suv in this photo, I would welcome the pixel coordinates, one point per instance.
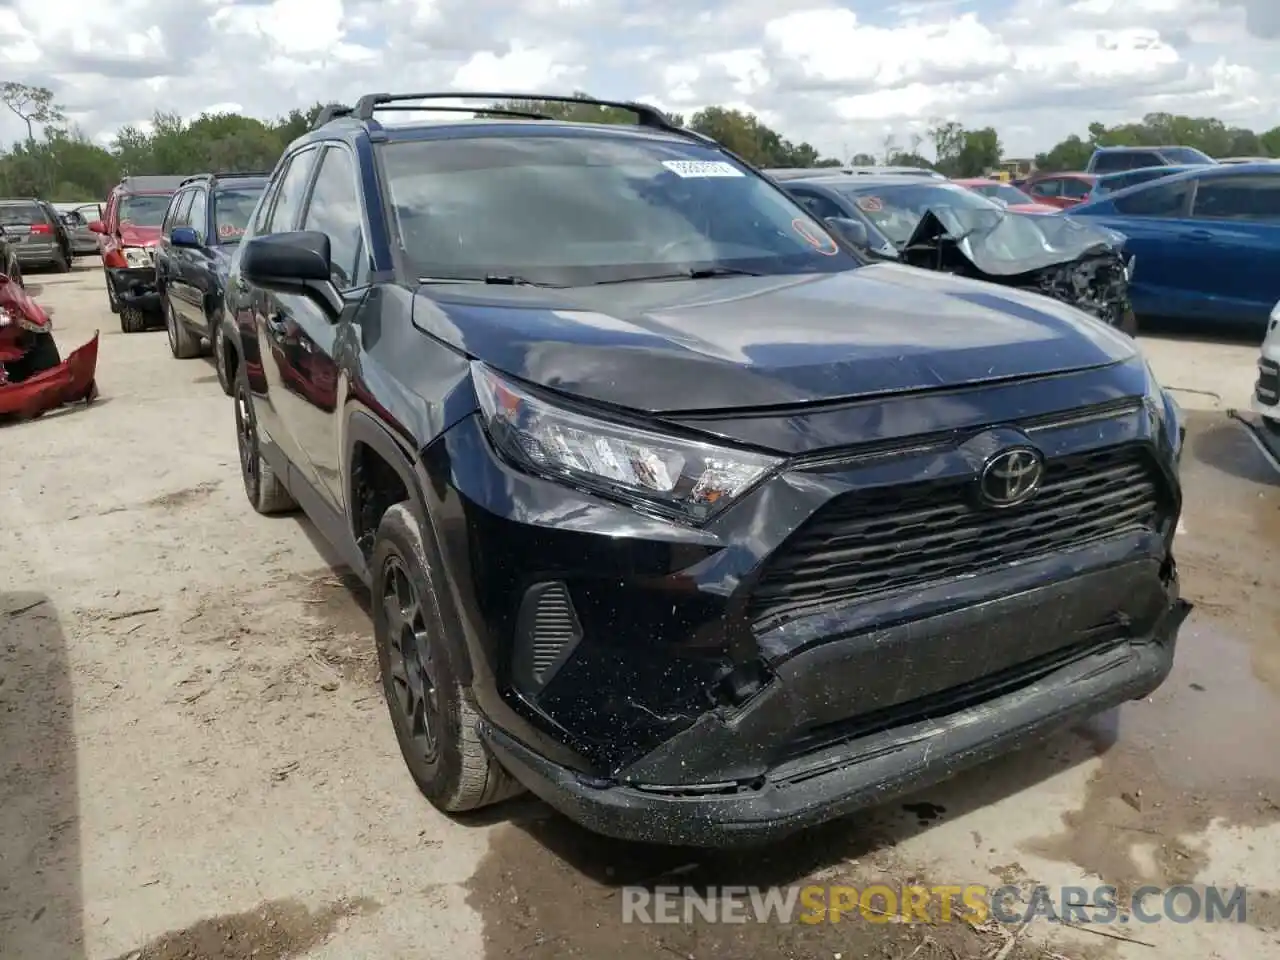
(202, 228)
(673, 510)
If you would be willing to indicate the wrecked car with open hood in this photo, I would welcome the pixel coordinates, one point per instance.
(1079, 263)
(673, 510)
(33, 376)
(946, 227)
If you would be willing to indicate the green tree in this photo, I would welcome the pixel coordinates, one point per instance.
(32, 104)
(1071, 154)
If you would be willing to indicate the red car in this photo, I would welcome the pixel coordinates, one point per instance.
(128, 234)
(1009, 195)
(33, 376)
(1060, 190)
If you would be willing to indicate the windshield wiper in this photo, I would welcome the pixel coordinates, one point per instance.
(492, 279)
(694, 273)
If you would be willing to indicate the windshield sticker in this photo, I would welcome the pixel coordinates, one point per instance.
(696, 169)
(229, 230)
(870, 204)
(820, 242)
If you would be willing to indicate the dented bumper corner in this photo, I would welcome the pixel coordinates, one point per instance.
(70, 381)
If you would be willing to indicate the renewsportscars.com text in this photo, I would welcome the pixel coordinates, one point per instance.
(973, 904)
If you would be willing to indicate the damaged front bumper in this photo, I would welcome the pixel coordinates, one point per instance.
(849, 631)
(892, 757)
(70, 381)
(135, 287)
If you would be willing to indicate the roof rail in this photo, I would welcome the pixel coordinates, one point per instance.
(487, 111)
(224, 175)
(329, 112)
(646, 116)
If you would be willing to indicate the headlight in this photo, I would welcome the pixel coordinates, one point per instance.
(695, 480)
(138, 256)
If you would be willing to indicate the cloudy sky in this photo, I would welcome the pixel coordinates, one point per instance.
(843, 74)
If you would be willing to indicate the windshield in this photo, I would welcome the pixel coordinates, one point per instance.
(896, 209)
(144, 209)
(232, 208)
(576, 210)
(17, 214)
(1186, 155)
(1003, 192)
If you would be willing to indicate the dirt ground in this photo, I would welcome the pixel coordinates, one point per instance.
(195, 760)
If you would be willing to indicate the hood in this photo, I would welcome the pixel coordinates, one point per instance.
(1006, 244)
(133, 235)
(744, 342)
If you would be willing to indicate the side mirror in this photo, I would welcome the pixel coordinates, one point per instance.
(184, 237)
(97, 226)
(851, 231)
(297, 262)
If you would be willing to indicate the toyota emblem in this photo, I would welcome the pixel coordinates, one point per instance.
(1011, 477)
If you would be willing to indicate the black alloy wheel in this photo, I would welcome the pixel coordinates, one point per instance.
(410, 677)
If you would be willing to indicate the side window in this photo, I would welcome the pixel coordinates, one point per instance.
(181, 207)
(1111, 162)
(197, 214)
(171, 218)
(1157, 200)
(1047, 188)
(1238, 198)
(263, 212)
(1141, 160)
(1075, 189)
(334, 209)
(817, 205)
(289, 195)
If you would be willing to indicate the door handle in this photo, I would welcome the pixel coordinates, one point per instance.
(1200, 236)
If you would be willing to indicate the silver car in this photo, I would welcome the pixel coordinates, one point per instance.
(84, 242)
(36, 234)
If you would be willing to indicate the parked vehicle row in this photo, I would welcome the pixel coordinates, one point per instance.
(676, 506)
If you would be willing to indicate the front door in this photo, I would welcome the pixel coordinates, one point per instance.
(333, 208)
(273, 318)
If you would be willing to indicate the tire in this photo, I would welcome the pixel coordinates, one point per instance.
(183, 344)
(221, 362)
(437, 729)
(42, 356)
(265, 491)
(132, 320)
(62, 262)
(111, 296)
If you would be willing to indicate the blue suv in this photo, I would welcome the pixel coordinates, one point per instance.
(673, 510)
(202, 228)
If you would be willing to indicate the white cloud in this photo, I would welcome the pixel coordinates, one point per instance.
(841, 74)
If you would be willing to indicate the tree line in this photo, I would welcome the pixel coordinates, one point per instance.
(58, 162)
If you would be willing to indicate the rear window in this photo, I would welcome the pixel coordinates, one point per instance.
(144, 209)
(18, 214)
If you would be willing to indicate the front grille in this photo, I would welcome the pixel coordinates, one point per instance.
(888, 539)
(1267, 389)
